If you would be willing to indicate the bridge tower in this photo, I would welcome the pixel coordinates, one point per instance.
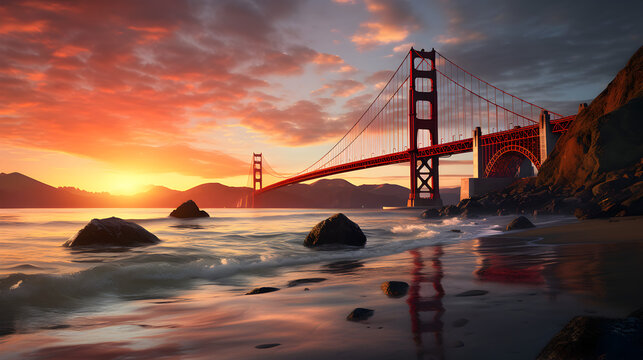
(425, 188)
(257, 175)
(257, 171)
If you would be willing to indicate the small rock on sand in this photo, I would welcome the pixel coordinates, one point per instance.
(266, 346)
(262, 290)
(473, 293)
(520, 222)
(395, 289)
(360, 314)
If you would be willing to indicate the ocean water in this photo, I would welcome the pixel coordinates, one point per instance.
(231, 247)
(52, 297)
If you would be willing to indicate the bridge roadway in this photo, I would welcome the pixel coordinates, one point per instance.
(451, 148)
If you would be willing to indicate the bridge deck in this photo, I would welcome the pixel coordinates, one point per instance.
(450, 148)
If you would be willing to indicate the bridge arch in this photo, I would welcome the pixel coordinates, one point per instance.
(506, 161)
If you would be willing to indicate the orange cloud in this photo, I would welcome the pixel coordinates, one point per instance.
(391, 21)
(332, 62)
(371, 34)
(403, 47)
(153, 33)
(9, 25)
(347, 69)
(68, 51)
(324, 59)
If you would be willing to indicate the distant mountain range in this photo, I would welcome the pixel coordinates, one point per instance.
(20, 191)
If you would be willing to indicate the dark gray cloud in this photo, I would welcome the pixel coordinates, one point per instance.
(543, 50)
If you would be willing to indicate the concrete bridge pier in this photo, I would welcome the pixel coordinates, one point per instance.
(478, 160)
(478, 184)
(547, 139)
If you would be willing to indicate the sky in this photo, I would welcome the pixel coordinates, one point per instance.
(118, 95)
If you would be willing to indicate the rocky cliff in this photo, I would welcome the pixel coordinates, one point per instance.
(606, 136)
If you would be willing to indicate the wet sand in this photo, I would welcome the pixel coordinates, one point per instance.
(535, 281)
(623, 229)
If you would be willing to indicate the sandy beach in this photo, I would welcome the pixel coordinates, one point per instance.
(525, 287)
(618, 229)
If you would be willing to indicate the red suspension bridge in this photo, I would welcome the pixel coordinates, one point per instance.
(425, 112)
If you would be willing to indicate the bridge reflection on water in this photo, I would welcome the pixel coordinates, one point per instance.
(429, 304)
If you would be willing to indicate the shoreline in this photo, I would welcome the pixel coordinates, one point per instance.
(619, 229)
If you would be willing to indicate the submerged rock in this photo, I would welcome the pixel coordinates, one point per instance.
(112, 232)
(360, 314)
(520, 222)
(337, 229)
(395, 289)
(343, 267)
(262, 290)
(188, 209)
(432, 213)
(266, 346)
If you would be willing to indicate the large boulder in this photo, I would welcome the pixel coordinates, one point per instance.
(337, 229)
(586, 337)
(112, 232)
(188, 209)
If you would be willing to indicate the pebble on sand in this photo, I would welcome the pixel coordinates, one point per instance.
(473, 293)
(360, 314)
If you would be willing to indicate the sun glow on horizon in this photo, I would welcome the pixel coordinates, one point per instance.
(127, 184)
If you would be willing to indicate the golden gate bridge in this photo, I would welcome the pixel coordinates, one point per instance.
(427, 110)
